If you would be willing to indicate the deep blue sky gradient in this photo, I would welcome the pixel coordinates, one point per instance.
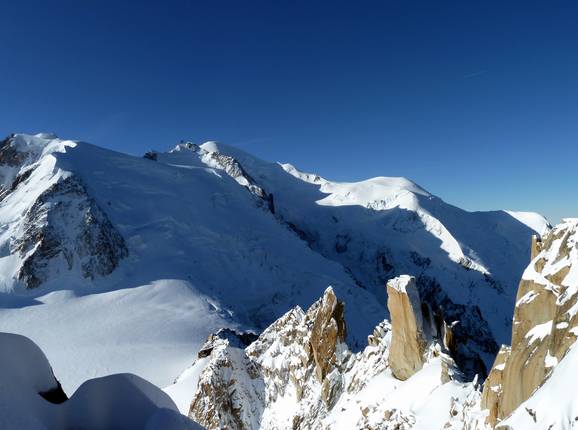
(476, 101)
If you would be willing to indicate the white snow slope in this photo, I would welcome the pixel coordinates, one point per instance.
(204, 251)
(28, 402)
(384, 227)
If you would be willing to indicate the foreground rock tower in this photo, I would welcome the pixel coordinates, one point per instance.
(408, 342)
(545, 322)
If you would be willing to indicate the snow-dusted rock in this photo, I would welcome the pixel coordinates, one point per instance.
(210, 155)
(229, 391)
(65, 230)
(545, 324)
(53, 225)
(299, 374)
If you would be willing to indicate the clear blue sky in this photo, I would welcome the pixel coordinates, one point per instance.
(477, 101)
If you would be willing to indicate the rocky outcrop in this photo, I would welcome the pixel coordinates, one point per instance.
(545, 323)
(299, 370)
(229, 392)
(66, 230)
(493, 385)
(296, 356)
(415, 328)
(327, 332)
(13, 169)
(409, 342)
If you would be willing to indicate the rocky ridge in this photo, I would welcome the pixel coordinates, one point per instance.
(300, 374)
(66, 230)
(382, 386)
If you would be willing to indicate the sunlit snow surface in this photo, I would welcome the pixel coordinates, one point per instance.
(204, 253)
(121, 401)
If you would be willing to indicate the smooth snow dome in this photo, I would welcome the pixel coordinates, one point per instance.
(371, 190)
(153, 330)
(123, 402)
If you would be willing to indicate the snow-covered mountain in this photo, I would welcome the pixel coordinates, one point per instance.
(300, 374)
(468, 263)
(127, 264)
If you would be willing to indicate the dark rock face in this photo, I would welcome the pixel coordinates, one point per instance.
(234, 169)
(151, 155)
(10, 156)
(470, 330)
(235, 339)
(65, 229)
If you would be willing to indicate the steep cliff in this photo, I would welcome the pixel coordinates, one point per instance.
(545, 324)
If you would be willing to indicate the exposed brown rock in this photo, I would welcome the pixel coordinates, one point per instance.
(328, 330)
(535, 247)
(492, 394)
(409, 343)
(303, 356)
(543, 326)
(218, 401)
